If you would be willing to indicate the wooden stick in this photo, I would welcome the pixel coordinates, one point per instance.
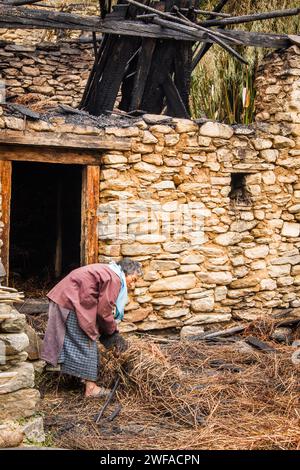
(204, 48)
(255, 17)
(16, 3)
(195, 34)
(108, 400)
(205, 12)
(187, 22)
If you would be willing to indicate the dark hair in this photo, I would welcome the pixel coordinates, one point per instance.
(129, 266)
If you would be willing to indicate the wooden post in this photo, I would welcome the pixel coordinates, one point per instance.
(89, 220)
(5, 179)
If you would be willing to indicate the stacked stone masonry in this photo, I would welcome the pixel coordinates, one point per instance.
(18, 397)
(211, 211)
(45, 74)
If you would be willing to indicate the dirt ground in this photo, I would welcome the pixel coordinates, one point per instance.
(222, 394)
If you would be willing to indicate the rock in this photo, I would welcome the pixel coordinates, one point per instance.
(281, 142)
(175, 247)
(260, 251)
(153, 119)
(150, 238)
(38, 366)
(171, 139)
(248, 281)
(35, 343)
(188, 332)
(144, 167)
(279, 270)
(164, 185)
(16, 378)
(180, 282)
(14, 123)
(125, 327)
(268, 284)
(149, 138)
(188, 268)
(11, 434)
(14, 322)
(219, 278)
(215, 129)
(19, 404)
(243, 225)
(161, 265)
(282, 335)
(151, 276)
(207, 318)
(185, 125)
(290, 229)
(168, 301)
(137, 249)
(175, 313)
(113, 159)
(220, 293)
(159, 324)
(33, 429)
(192, 259)
(205, 304)
(269, 155)
(229, 238)
(14, 343)
(262, 144)
(139, 314)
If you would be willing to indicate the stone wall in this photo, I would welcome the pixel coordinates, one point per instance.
(211, 211)
(47, 73)
(18, 398)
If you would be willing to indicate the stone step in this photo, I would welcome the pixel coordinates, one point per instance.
(33, 306)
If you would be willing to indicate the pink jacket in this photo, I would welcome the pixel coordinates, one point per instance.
(91, 291)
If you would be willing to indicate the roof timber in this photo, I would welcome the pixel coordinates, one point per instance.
(18, 17)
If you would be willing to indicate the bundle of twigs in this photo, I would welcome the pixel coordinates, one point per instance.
(145, 371)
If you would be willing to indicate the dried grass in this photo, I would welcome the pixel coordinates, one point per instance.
(184, 395)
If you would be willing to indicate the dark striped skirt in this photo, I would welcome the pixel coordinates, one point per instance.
(79, 355)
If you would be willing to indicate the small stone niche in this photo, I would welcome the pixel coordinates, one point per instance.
(239, 194)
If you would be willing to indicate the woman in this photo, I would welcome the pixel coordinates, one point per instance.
(87, 303)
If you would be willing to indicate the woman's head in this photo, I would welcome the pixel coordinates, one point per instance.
(132, 270)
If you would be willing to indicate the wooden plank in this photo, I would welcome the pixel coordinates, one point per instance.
(89, 220)
(254, 17)
(153, 99)
(11, 18)
(5, 178)
(183, 71)
(175, 104)
(106, 90)
(84, 142)
(143, 67)
(47, 155)
(258, 344)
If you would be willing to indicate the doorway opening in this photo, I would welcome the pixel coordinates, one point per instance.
(45, 224)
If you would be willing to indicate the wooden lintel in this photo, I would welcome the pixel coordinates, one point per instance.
(48, 155)
(72, 141)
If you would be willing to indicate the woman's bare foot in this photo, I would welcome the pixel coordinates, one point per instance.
(92, 390)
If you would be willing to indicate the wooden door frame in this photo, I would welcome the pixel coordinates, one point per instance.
(90, 191)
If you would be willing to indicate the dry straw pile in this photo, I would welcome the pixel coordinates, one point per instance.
(185, 395)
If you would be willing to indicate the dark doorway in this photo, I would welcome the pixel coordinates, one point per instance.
(45, 224)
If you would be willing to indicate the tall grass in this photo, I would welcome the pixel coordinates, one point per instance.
(223, 88)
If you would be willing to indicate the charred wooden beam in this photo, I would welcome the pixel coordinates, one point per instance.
(12, 17)
(143, 67)
(250, 18)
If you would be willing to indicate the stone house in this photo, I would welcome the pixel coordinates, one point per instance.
(211, 211)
